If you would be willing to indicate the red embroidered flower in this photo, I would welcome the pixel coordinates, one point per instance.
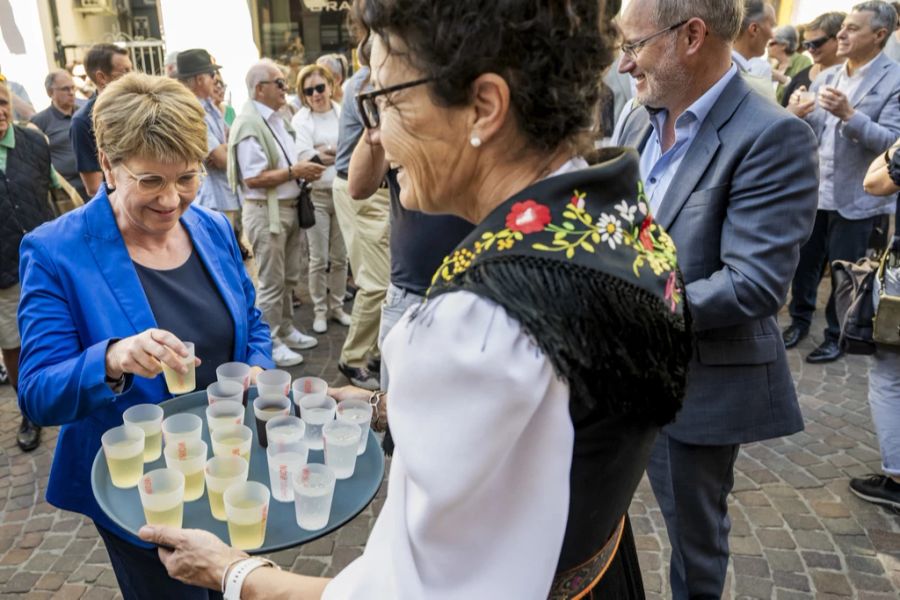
(528, 217)
(644, 235)
(673, 292)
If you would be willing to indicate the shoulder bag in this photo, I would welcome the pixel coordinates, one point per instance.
(306, 214)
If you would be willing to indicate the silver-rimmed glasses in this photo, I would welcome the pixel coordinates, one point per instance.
(632, 48)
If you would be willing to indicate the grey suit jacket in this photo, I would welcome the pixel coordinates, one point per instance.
(741, 204)
(872, 130)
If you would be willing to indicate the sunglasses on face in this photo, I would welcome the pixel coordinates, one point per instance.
(316, 89)
(817, 43)
(280, 82)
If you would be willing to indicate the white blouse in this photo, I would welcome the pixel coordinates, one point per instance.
(316, 129)
(478, 493)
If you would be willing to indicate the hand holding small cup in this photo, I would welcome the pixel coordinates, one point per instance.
(145, 353)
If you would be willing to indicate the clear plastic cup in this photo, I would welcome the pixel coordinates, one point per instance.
(807, 96)
(305, 386)
(224, 414)
(313, 493)
(247, 510)
(238, 372)
(285, 459)
(183, 426)
(189, 457)
(149, 418)
(123, 447)
(221, 473)
(266, 408)
(358, 412)
(273, 382)
(234, 440)
(162, 496)
(316, 410)
(341, 441)
(285, 429)
(222, 391)
(181, 383)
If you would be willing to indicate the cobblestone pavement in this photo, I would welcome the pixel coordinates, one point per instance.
(797, 531)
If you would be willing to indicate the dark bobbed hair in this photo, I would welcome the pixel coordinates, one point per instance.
(552, 54)
(830, 23)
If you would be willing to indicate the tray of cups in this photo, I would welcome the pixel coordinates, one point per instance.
(204, 460)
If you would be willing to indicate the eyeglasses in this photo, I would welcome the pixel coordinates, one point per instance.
(632, 48)
(280, 82)
(367, 102)
(316, 89)
(151, 183)
(817, 43)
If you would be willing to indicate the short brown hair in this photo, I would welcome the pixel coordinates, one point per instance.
(99, 58)
(156, 118)
(308, 71)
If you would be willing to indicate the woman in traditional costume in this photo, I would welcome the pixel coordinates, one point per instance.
(527, 390)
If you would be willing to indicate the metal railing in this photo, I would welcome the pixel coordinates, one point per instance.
(147, 55)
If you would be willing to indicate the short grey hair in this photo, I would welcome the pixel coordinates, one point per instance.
(788, 36)
(336, 63)
(722, 17)
(50, 79)
(258, 73)
(884, 16)
(754, 12)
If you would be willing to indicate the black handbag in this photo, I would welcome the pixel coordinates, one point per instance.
(306, 214)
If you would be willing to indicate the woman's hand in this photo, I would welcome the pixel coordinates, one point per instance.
(349, 392)
(143, 354)
(254, 372)
(193, 556)
(379, 408)
(307, 170)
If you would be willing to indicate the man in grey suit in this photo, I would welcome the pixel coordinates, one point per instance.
(732, 176)
(856, 117)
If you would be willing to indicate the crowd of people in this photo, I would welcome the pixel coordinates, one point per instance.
(525, 285)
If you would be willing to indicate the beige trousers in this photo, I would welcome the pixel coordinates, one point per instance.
(277, 257)
(326, 246)
(366, 226)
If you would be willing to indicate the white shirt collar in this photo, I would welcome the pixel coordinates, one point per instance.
(860, 71)
(264, 111)
(742, 63)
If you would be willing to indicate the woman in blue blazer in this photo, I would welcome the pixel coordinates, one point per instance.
(113, 288)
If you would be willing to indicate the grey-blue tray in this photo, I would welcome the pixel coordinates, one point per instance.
(351, 495)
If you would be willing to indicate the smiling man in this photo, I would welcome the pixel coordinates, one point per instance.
(712, 159)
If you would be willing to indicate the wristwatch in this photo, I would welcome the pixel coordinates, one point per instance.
(234, 580)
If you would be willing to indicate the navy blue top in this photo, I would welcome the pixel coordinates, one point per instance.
(419, 242)
(185, 301)
(83, 141)
(351, 125)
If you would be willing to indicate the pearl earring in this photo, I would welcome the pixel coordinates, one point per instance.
(475, 141)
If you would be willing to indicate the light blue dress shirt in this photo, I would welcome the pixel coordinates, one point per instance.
(215, 192)
(658, 168)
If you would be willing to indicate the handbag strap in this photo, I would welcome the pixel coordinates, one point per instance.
(300, 182)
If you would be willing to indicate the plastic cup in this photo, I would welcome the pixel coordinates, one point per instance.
(285, 460)
(179, 383)
(123, 447)
(316, 410)
(223, 391)
(313, 492)
(285, 429)
(266, 408)
(807, 96)
(234, 440)
(189, 457)
(149, 418)
(162, 496)
(247, 510)
(304, 386)
(238, 372)
(221, 473)
(341, 441)
(273, 382)
(224, 414)
(181, 427)
(358, 412)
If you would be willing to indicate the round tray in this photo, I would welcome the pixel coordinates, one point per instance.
(351, 495)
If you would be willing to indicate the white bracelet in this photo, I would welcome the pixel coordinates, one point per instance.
(235, 580)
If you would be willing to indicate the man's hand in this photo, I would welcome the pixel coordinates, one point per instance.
(193, 556)
(307, 170)
(143, 354)
(800, 104)
(836, 102)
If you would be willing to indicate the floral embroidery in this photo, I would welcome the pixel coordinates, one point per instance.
(528, 217)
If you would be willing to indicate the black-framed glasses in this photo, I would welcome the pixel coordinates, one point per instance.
(280, 82)
(817, 43)
(632, 48)
(316, 89)
(367, 102)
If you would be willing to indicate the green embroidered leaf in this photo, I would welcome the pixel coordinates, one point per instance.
(587, 246)
(542, 247)
(569, 215)
(588, 218)
(504, 234)
(487, 235)
(569, 226)
(560, 235)
(518, 236)
(570, 252)
(560, 243)
(596, 238)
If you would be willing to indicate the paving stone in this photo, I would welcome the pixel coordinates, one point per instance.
(830, 582)
(872, 583)
(813, 540)
(51, 582)
(747, 565)
(820, 560)
(791, 581)
(764, 517)
(21, 583)
(864, 564)
(775, 538)
(753, 587)
(784, 560)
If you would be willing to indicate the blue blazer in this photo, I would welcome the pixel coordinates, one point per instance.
(80, 291)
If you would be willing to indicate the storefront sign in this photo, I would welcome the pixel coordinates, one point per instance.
(327, 5)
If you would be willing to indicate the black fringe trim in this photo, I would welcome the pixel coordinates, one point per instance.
(620, 348)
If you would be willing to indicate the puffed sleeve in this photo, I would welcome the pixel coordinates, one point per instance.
(478, 492)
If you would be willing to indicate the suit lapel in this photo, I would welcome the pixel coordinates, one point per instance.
(875, 74)
(111, 255)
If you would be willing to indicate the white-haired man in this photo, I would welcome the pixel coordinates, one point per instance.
(259, 169)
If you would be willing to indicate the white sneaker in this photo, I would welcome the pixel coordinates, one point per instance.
(339, 316)
(284, 356)
(320, 325)
(299, 341)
